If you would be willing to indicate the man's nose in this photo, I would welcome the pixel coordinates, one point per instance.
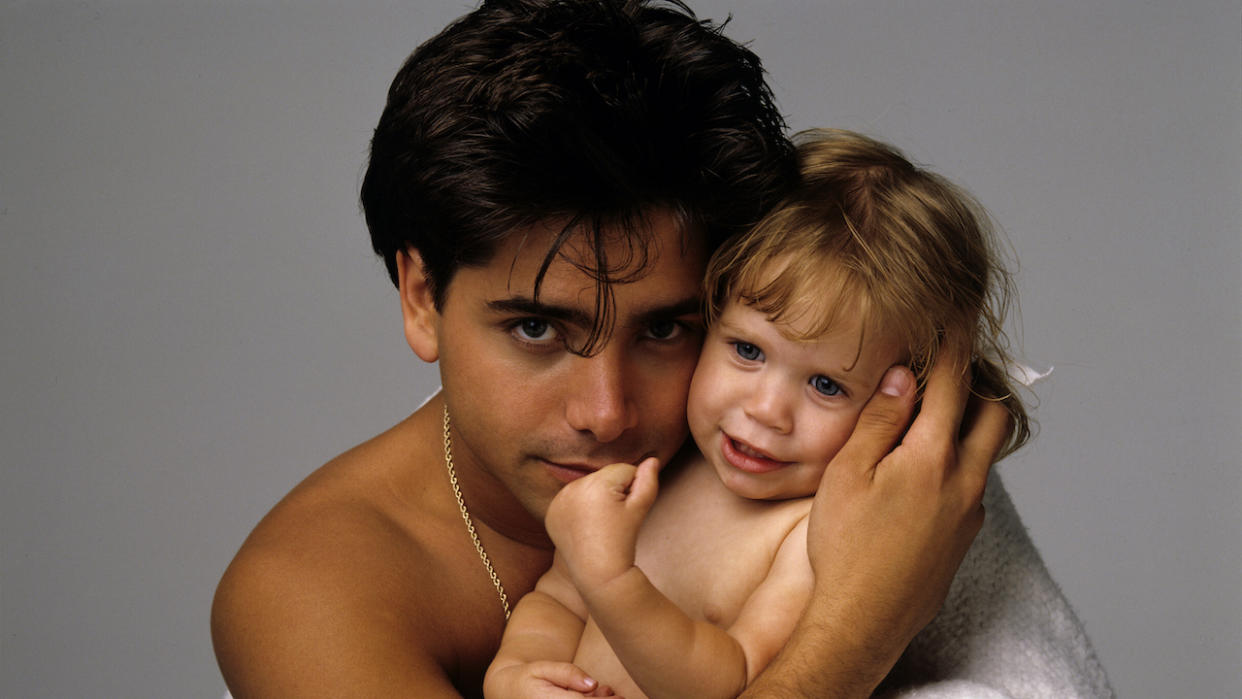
(598, 399)
(769, 403)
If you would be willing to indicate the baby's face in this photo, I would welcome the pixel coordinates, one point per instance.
(769, 412)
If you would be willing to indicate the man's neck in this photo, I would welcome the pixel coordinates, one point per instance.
(492, 505)
(488, 500)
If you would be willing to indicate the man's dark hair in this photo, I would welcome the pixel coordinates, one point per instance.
(589, 114)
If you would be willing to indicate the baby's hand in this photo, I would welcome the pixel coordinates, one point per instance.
(545, 678)
(594, 521)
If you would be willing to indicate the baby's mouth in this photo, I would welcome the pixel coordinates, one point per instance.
(748, 450)
(744, 457)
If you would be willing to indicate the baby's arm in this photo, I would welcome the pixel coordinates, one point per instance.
(768, 618)
(594, 523)
(536, 652)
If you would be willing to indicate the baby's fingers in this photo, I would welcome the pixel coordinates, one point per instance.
(565, 676)
(645, 484)
(615, 477)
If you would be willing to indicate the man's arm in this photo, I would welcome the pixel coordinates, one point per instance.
(328, 598)
(281, 629)
(888, 530)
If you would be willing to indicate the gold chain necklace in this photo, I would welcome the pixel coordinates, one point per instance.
(465, 515)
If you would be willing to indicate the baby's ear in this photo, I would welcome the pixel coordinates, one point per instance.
(418, 308)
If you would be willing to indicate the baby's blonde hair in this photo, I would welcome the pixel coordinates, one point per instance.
(912, 252)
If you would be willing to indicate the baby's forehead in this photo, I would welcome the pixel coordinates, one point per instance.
(808, 300)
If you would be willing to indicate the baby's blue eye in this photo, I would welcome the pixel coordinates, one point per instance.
(825, 385)
(747, 351)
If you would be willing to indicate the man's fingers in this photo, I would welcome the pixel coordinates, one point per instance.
(880, 424)
(948, 387)
(986, 430)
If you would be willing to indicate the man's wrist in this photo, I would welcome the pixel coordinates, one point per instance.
(829, 654)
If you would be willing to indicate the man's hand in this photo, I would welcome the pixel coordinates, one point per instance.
(542, 679)
(890, 526)
(594, 520)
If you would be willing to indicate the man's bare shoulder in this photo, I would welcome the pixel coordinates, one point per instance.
(342, 587)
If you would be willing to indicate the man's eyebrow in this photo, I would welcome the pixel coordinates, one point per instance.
(676, 309)
(520, 305)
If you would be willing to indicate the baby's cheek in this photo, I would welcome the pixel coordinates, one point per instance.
(836, 436)
(701, 398)
(812, 480)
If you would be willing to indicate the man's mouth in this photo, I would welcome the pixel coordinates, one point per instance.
(567, 471)
(744, 457)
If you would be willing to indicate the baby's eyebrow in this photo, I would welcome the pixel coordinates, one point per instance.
(727, 327)
(855, 385)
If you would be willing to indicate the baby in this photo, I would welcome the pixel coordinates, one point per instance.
(871, 262)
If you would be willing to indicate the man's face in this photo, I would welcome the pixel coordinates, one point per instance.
(532, 414)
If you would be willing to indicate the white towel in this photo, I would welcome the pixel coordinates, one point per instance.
(1006, 630)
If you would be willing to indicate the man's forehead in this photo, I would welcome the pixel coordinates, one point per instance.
(659, 244)
(661, 268)
(570, 291)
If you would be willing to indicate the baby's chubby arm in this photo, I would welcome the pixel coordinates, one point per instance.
(536, 653)
(594, 523)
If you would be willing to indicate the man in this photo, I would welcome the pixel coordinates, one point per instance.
(546, 182)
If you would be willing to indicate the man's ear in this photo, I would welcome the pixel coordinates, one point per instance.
(418, 309)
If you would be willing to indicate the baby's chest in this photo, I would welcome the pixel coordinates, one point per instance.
(709, 564)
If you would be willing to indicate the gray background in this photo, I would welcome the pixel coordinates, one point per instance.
(192, 319)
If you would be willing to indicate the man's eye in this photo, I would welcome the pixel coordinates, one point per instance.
(747, 351)
(534, 330)
(664, 329)
(825, 386)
